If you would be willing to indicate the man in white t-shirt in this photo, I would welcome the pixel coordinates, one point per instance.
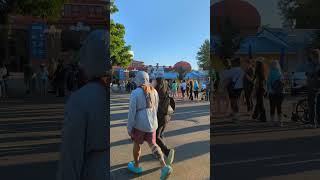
(235, 76)
(183, 87)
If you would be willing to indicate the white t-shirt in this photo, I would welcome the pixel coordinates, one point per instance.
(235, 74)
(184, 86)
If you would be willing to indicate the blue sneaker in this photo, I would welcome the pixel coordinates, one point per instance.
(134, 169)
(165, 172)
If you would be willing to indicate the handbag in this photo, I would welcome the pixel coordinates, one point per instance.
(170, 110)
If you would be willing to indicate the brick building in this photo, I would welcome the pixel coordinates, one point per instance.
(77, 19)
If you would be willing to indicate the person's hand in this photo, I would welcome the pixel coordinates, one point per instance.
(130, 134)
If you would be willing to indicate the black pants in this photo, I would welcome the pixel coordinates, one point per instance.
(248, 96)
(275, 104)
(60, 88)
(196, 94)
(159, 132)
(259, 110)
(191, 95)
(234, 99)
(311, 106)
(183, 92)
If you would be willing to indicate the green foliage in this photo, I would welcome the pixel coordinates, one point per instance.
(203, 55)
(119, 52)
(229, 41)
(113, 8)
(49, 10)
(305, 14)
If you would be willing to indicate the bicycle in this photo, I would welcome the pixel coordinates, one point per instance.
(301, 112)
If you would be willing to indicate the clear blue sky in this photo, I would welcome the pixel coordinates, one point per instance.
(165, 31)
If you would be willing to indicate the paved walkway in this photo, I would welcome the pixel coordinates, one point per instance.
(188, 133)
(30, 137)
(253, 150)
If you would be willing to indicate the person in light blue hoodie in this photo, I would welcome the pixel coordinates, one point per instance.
(275, 90)
(84, 146)
(143, 123)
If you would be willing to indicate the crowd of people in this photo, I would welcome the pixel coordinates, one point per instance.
(250, 81)
(184, 89)
(62, 81)
(257, 80)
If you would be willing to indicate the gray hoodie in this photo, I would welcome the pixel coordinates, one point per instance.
(140, 117)
(84, 148)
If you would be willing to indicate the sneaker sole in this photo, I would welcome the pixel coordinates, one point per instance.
(168, 175)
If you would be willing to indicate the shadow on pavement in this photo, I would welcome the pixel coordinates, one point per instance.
(33, 171)
(183, 152)
(29, 127)
(254, 160)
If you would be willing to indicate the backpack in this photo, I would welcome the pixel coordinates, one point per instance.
(168, 106)
(231, 85)
(277, 87)
(196, 87)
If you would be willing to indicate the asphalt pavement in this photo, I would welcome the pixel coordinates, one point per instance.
(188, 132)
(252, 150)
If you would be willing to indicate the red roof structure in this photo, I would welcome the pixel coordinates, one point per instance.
(242, 15)
(182, 64)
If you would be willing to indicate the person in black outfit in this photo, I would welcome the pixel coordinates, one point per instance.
(191, 90)
(260, 81)
(59, 80)
(248, 85)
(163, 118)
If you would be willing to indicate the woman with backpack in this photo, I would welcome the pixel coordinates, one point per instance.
(260, 81)
(164, 116)
(275, 90)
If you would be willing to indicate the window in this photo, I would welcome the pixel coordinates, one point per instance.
(99, 11)
(75, 10)
(91, 11)
(67, 10)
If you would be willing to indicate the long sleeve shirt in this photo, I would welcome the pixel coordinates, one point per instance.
(84, 144)
(140, 117)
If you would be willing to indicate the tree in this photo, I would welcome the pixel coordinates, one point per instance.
(302, 14)
(49, 10)
(227, 43)
(305, 13)
(119, 52)
(203, 55)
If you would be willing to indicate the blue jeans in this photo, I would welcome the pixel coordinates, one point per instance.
(43, 87)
